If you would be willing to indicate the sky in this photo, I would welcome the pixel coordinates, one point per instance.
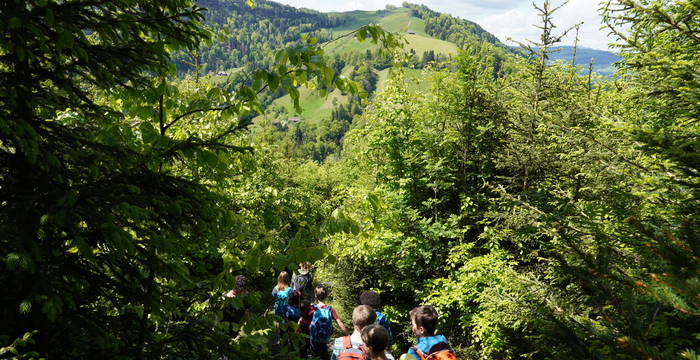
(503, 18)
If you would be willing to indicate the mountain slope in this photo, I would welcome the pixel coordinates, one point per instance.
(398, 20)
(603, 61)
(248, 39)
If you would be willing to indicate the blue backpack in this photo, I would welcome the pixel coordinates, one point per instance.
(383, 321)
(292, 313)
(321, 324)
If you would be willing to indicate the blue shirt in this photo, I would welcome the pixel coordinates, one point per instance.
(280, 299)
(384, 321)
(424, 344)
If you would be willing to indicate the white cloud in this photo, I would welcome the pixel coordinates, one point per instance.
(503, 18)
(519, 24)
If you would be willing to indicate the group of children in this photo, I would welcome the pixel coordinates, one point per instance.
(371, 334)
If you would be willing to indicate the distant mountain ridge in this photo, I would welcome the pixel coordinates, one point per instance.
(584, 55)
(603, 61)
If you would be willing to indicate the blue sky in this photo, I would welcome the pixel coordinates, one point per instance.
(503, 18)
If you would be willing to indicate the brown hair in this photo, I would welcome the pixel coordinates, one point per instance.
(293, 299)
(362, 316)
(305, 265)
(320, 293)
(426, 317)
(376, 337)
(283, 280)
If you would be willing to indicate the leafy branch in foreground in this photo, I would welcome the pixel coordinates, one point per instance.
(108, 244)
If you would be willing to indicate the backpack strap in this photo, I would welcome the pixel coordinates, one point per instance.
(347, 344)
(418, 352)
(441, 346)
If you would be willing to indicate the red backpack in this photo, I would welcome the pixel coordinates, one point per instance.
(351, 353)
(441, 353)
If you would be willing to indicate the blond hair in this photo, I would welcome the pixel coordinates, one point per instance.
(283, 280)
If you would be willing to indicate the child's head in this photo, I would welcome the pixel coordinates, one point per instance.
(305, 305)
(320, 293)
(304, 267)
(362, 316)
(424, 320)
(376, 338)
(240, 283)
(293, 298)
(283, 279)
(371, 298)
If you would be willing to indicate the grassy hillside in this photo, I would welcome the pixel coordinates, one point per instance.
(397, 20)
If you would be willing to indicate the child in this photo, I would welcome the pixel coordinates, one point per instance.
(424, 320)
(307, 313)
(362, 316)
(303, 282)
(373, 299)
(281, 292)
(321, 325)
(240, 289)
(376, 340)
(232, 314)
(292, 312)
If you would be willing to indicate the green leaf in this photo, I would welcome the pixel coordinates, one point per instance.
(49, 17)
(21, 54)
(210, 158)
(328, 74)
(14, 23)
(148, 133)
(25, 306)
(281, 57)
(84, 248)
(65, 40)
(273, 81)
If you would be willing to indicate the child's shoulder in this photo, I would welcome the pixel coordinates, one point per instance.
(433, 343)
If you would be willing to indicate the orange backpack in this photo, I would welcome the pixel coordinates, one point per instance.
(441, 354)
(351, 353)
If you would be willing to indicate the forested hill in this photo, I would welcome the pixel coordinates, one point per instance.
(246, 38)
(450, 28)
(602, 61)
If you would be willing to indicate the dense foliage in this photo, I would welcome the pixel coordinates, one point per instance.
(247, 38)
(131, 198)
(545, 213)
(450, 28)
